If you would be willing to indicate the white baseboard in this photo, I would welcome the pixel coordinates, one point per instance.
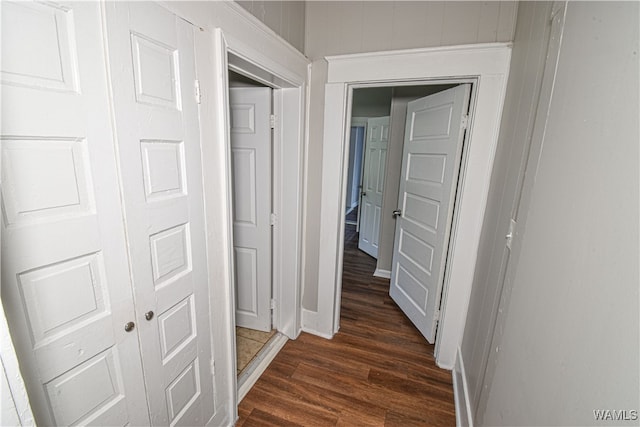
(461, 399)
(386, 274)
(257, 367)
(310, 322)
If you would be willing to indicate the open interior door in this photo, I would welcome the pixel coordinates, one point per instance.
(434, 132)
(372, 184)
(250, 109)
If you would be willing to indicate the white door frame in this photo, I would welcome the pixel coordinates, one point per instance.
(286, 188)
(488, 65)
(227, 27)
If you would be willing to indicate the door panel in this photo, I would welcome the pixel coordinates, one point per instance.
(251, 161)
(65, 280)
(152, 64)
(430, 166)
(373, 183)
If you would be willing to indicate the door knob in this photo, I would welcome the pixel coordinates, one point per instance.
(128, 327)
(397, 213)
(148, 315)
(364, 193)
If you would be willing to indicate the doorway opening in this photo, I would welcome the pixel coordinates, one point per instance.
(486, 66)
(412, 159)
(251, 137)
(264, 157)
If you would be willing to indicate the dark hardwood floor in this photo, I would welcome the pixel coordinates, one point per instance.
(378, 370)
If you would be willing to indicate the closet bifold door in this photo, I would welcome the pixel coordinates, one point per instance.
(151, 58)
(66, 287)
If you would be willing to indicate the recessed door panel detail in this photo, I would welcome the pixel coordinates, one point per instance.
(247, 280)
(80, 395)
(45, 56)
(177, 327)
(183, 391)
(243, 118)
(415, 291)
(375, 238)
(384, 132)
(244, 186)
(155, 67)
(416, 250)
(45, 179)
(367, 227)
(170, 254)
(163, 167)
(421, 211)
(381, 170)
(426, 168)
(373, 169)
(81, 281)
(432, 122)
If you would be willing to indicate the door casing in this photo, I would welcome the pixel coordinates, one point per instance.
(219, 52)
(485, 65)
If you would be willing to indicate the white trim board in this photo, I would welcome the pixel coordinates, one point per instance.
(487, 65)
(385, 274)
(464, 415)
(310, 323)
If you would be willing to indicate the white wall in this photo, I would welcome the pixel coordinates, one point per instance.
(314, 185)
(569, 330)
(371, 102)
(525, 77)
(339, 27)
(286, 18)
(351, 27)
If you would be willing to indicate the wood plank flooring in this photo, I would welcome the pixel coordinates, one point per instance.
(377, 371)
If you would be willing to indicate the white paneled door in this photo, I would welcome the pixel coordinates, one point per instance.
(375, 158)
(104, 274)
(65, 274)
(434, 133)
(250, 109)
(152, 66)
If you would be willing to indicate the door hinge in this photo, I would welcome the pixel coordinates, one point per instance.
(465, 121)
(273, 219)
(197, 93)
(272, 121)
(511, 232)
(272, 304)
(213, 367)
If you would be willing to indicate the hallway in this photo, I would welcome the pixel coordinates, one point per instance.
(378, 370)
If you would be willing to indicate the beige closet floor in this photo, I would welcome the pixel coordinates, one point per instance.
(248, 345)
